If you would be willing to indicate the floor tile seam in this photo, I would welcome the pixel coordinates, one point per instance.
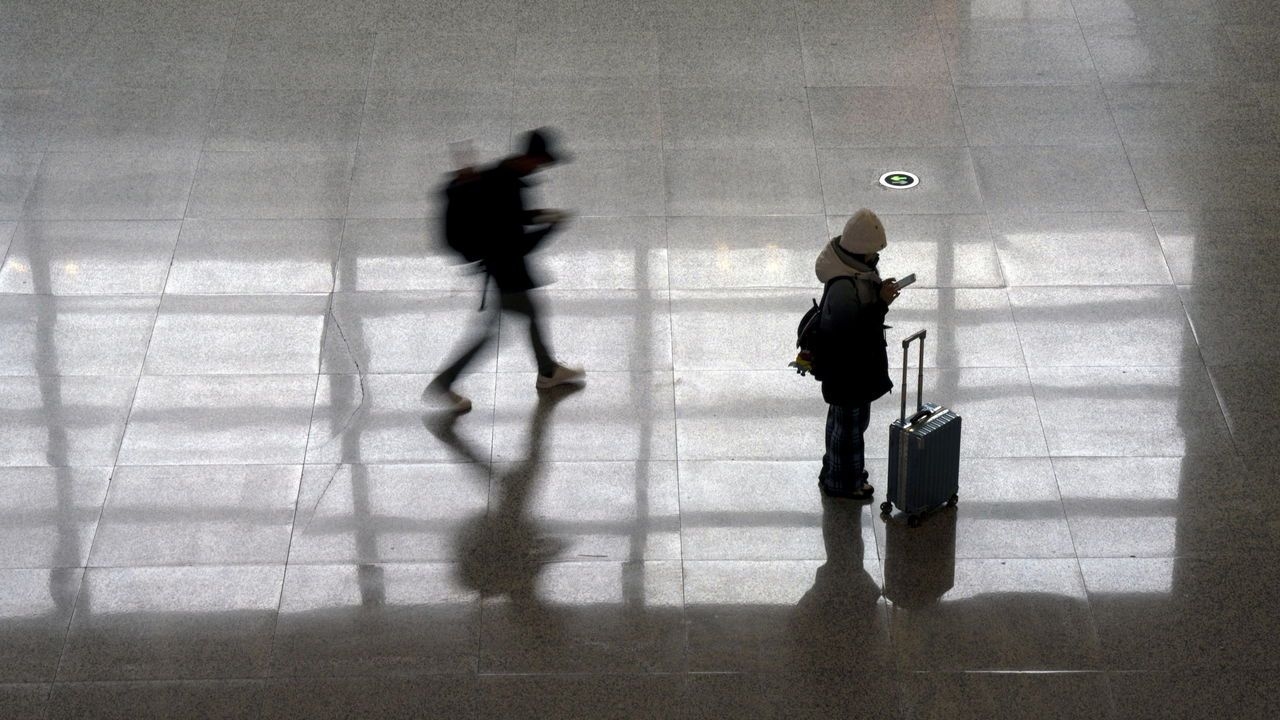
(82, 589)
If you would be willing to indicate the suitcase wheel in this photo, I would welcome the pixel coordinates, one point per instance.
(913, 521)
(886, 508)
(953, 500)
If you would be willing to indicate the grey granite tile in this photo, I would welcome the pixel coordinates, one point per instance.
(607, 330)
(972, 625)
(907, 53)
(37, 607)
(1183, 613)
(605, 253)
(1182, 695)
(222, 699)
(1236, 333)
(397, 184)
(605, 182)
(1088, 411)
(184, 420)
(18, 171)
(127, 120)
(972, 695)
(301, 59)
(139, 58)
(51, 515)
(173, 622)
(237, 335)
(722, 118)
(271, 185)
(578, 617)
(615, 416)
(742, 182)
(590, 511)
(1189, 114)
(382, 419)
(1107, 326)
(430, 119)
(1009, 508)
(50, 335)
(87, 186)
(404, 698)
(981, 13)
(948, 185)
(63, 421)
(796, 615)
(197, 515)
(765, 510)
(24, 701)
(1056, 179)
(255, 256)
(407, 57)
(285, 119)
(1127, 51)
(401, 255)
(711, 253)
(592, 118)
(375, 620)
(648, 696)
(28, 117)
(1207, 177)
(1075, 115)
(386, 513)
(89, 258)
(607, 59)
(1032, 53)
(1219, 247)
(395, 332)
(1245, 392)
(886, 116)
(1044, 249)
(1198, 505)
(691, 57)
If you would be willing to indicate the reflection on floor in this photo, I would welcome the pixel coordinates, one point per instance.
(222, 293)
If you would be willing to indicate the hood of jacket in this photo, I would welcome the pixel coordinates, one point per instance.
(834, 262)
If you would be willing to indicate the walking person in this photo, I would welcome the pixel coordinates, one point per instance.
(504, 233)
(853, 315)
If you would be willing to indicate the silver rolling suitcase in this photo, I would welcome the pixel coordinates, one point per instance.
(924, 451)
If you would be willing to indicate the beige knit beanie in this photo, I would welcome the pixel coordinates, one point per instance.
(863, 234)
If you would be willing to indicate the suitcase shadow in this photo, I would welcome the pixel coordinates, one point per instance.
(919, 562)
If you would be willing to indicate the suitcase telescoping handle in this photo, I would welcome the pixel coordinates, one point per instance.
(906, 346)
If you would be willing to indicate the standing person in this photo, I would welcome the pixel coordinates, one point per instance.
(853, 314)
(510, 232)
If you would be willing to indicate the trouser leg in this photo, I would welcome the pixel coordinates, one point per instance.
(844, 465)
(449, 375)
(524, 304)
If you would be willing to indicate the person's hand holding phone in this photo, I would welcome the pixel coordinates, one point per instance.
(889, 291)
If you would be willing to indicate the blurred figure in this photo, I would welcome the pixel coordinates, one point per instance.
(852, 324)
(487, 222)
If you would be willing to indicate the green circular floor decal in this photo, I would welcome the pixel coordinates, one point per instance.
(899, 180)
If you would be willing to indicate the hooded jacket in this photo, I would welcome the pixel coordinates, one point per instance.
(854, 346)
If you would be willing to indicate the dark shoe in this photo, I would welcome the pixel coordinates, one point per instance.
(866, 492)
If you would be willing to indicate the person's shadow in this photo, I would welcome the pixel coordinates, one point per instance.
(501, 552)
(839, 617)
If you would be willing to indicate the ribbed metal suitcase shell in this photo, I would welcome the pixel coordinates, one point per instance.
(932, 457)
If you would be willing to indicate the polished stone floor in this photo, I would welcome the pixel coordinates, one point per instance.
(221, 495)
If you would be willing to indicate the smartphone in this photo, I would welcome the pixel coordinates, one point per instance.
(903, 282)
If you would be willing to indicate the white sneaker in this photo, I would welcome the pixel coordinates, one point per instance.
(452, 401)
(562, 376)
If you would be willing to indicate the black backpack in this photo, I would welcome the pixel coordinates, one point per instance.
(465, 204)
(809, 339)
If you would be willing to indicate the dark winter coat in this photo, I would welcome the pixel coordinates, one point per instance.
(855, 351)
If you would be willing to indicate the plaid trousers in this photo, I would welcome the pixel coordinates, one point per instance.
(844, 464)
